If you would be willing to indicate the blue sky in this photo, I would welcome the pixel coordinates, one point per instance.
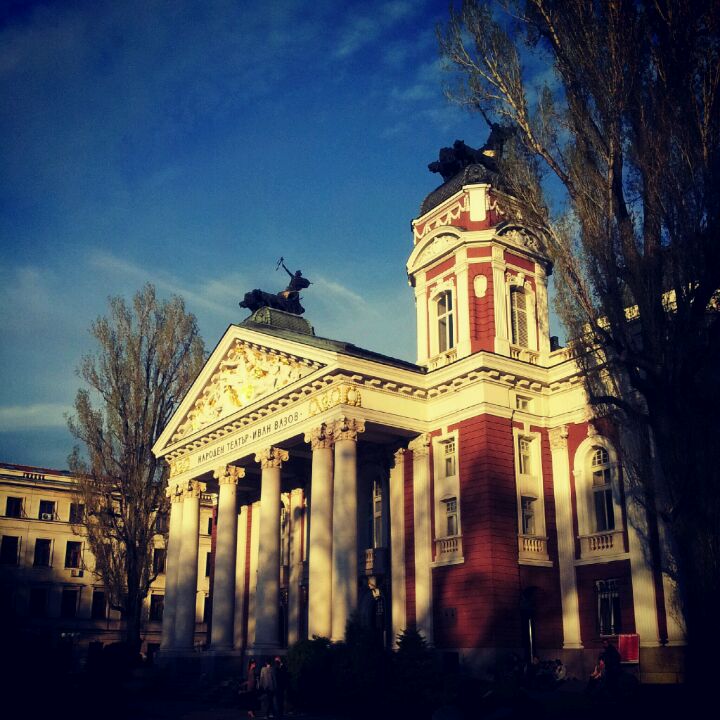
(191, 144)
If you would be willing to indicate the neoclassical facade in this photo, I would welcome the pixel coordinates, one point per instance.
(470, 494)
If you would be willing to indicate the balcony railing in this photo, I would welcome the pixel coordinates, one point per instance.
(532, 547)
(524, 354)
(373, 561)
(448, 548)
(443, 359)
(601, 544)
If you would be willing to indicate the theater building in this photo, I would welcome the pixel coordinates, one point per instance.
(470, 494)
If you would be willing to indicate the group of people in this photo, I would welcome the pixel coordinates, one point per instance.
(545, 675)
(266, 687)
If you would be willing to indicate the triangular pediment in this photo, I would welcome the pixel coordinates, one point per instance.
(238, 374)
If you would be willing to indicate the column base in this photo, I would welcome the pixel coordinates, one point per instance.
(260, 649)
(573, 646)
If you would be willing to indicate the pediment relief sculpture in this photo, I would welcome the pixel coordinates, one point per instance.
(246, 374)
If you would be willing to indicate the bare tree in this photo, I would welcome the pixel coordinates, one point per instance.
(148, 356)
(615, 166)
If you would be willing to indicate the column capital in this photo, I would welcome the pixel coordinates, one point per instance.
(174, 492)
(345, 428)
(272, 457)
(193, 489)
(228, 474)
(399, 455)
(320, 438)
(558, 437)
(420, 446)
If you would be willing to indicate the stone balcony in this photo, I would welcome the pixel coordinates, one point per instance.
(533, 549)
(602, 544)
(448, 549)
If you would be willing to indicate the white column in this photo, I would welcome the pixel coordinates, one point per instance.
(542, 314)
(421, 315)
(462, 303)
(172, 563)
(397, 545)
(239, 639)
(268, 579)
(420, 447)
(225, 557)
(344, 548)
(646, 622)
(566, 538)
(185, 612)
(254, 541)
(321, 529)
(502, 337)
(296, 528)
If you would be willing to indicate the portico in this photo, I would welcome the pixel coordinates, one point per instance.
(279, 425)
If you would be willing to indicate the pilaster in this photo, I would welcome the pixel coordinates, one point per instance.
(422, 505)
(566, 538)
(397, 544)
(172, 565)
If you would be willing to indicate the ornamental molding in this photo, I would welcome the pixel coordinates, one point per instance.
(179, 465)
(341, 394)
(229, 474)
(521, 238)
(272, 457)
(246, 374)
(441, 286)
(444, 217)
(174, 492)
(345, 428)
(558, 437)
(436, 247)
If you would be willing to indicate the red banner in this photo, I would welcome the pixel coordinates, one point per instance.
(629, 648)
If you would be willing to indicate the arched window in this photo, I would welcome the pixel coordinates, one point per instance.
(518, 317)
(445, 321)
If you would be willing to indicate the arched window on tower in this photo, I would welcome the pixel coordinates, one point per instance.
(445, 321)
(519, 317)
(602, 490)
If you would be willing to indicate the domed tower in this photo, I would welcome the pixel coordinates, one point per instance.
(480, 281)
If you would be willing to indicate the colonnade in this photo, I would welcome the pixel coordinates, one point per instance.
(332, 557)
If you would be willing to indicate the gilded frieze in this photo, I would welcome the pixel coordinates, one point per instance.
(246, 374)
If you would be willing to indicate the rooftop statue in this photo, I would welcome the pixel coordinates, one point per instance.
(287, 299)
(453, 160)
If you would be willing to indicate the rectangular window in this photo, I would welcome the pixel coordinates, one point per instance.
(69, 602)
(210, 524)
(207, 609)
(208, 564)
(161, 524)
(451, 518)
(449, 458)
(528, 515)
(522, 402)
(38, 602)
(9, 550)
(47, 510)
(519, 324)
(99, 605)
(157, 605)
(525, 462)
(604, 511)
(608, 607)
(159, 556)
(14, 507)
(43, 549)
(73, 552)
(77, 513)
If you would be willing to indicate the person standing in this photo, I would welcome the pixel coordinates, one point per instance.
(268, 686)
(281, 683)
(251, 683)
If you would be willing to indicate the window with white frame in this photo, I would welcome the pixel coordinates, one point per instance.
(378, 539)
(519, 316)
(530, 497)
(445, 317)
(448, 527)
(603, 504)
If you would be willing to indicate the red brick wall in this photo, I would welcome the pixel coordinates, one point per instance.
(521, 262)
(482, 312)
(483, 591)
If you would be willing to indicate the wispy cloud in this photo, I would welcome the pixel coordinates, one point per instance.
(38, 415)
